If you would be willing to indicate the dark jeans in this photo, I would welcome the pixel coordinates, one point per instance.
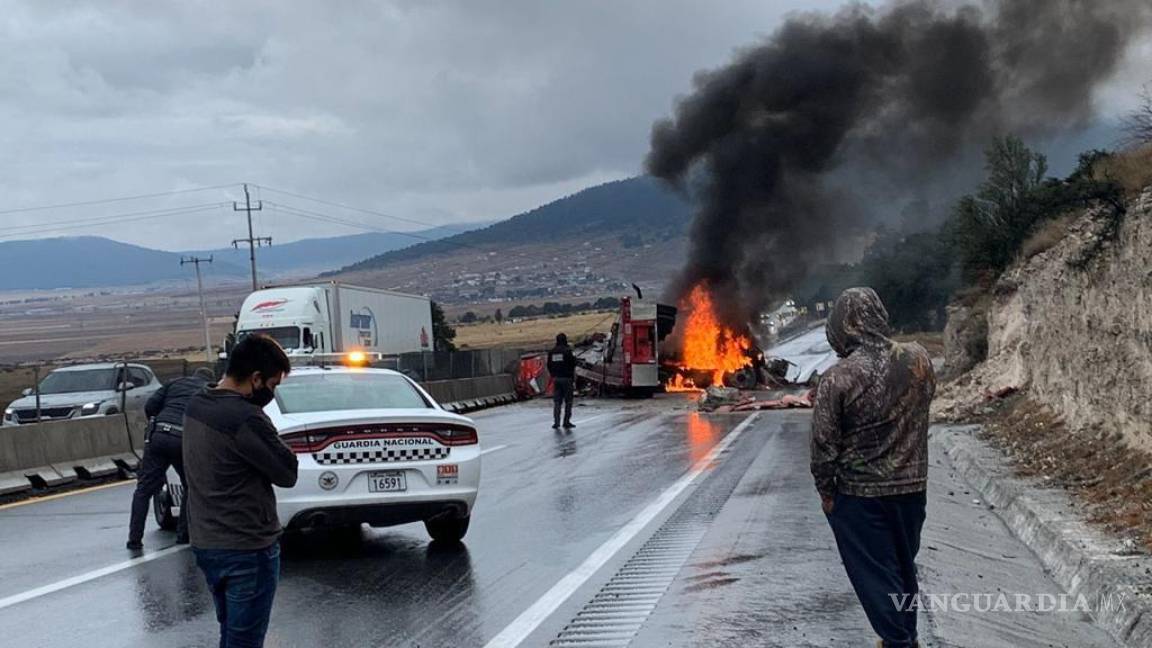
(243, 584)
(562, 393)
(879, 538)
(161, 451)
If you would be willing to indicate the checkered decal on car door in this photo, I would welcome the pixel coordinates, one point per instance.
(380, 456)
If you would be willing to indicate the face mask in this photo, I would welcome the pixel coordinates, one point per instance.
(261, 396)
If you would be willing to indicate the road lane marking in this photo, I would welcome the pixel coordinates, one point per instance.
(49, 498)
(492, 449)
(90, 576)
(525, 624)
(588, 420)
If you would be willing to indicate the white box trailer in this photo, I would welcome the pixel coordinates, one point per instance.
(332, 317)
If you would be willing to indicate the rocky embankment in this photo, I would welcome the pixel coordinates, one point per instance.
(1069, 328)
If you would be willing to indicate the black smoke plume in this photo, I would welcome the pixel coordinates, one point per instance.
(803, 143)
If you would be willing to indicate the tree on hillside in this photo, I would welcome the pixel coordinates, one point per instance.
(499, 316)
(989, 226)
(914, 276)
(442, 332)
(1137, 124)
(468, 318)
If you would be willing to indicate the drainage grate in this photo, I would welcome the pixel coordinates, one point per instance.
(618, 611)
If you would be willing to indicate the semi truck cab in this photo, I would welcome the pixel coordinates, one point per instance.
(298, 318)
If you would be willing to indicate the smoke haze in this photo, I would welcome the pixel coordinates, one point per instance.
(837, 122)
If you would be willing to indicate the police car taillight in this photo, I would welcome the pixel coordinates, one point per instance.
(458, 436)
(301, 442)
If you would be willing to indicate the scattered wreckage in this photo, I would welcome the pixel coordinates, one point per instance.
(630, 360)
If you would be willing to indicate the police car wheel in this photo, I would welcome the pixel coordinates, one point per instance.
(447, 528)
(162, 510)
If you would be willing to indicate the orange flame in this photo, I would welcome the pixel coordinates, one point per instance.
(681, 384)
(708, 345)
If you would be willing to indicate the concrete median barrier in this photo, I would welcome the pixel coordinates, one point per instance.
(472, 393)
(57, 452)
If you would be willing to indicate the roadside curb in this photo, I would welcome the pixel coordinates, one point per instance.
(1079, 558)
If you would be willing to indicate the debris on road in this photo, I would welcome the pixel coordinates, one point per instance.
(714, 398)
(787, 401)
(730, 399)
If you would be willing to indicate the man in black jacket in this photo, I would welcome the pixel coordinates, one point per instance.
(163, 448)
(562, 366)
(233, 457)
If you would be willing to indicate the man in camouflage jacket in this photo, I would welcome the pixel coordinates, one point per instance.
(870, 458)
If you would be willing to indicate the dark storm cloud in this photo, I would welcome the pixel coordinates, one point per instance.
(442, 110)
(837, 121)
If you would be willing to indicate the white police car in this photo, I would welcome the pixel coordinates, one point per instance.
(374, 448)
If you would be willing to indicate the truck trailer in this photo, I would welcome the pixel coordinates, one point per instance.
(332, 317)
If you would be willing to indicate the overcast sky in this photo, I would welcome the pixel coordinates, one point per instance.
(437, 111)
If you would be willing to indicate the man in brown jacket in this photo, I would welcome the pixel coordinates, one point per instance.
(870, 458)
(233, 457)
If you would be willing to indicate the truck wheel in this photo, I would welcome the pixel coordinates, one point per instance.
(162, 510)
(447, 529)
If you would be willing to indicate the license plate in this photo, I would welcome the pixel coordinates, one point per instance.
(387, 482)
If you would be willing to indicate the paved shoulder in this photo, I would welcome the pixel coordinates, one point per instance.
(979, 580)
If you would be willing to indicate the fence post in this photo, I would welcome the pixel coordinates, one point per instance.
(452, 364)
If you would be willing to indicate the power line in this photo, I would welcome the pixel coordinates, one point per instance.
(253, 241)
(24, 230)
(348, 207)
(104, 201)
(327, 218)
(88, 220)
(195, 260)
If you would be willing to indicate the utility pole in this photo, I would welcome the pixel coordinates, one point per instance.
(203, 307)
(252, 241)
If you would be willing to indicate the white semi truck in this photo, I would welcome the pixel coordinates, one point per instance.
(335, 318)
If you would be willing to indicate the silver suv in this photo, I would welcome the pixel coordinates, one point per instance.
(85, 390)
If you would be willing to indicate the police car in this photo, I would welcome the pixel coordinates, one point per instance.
(373, 447)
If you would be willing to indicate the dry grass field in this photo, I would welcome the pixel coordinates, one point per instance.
(531, 334)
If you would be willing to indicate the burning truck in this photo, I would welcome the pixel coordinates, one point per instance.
(644, 352)
(626, 360)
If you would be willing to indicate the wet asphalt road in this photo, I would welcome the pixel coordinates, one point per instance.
(762, 571)
(547, 501)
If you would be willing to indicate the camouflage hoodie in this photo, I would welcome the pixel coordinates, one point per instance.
(870, 424)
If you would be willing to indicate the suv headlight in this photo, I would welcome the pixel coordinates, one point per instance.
(90, 408)
(9, 412)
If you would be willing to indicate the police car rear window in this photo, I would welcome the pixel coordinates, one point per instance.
(325, 392)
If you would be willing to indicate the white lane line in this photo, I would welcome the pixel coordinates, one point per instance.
(525, 624)
(492, 449)
(90, 576)
(586, 421)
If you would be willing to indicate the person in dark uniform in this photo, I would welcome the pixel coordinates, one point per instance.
(163, 448)
(562, 366)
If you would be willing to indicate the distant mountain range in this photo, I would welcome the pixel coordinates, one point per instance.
(642, 208)
(92, 261)
(312, 256)
(635, 211)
